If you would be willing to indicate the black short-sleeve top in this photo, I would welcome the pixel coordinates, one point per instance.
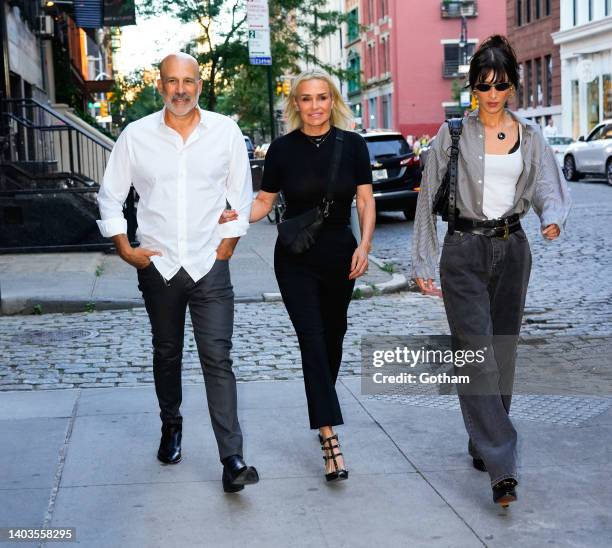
(295, 166)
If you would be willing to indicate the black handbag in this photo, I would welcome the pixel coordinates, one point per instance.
(298, 234)
(445, 203)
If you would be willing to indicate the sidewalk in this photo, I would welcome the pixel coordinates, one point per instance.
(75, 282)
(86, 459)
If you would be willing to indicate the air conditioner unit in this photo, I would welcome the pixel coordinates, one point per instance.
(45, 26)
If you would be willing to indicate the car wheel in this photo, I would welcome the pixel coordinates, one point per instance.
(609, 171)
(569, 169)
(409, 212)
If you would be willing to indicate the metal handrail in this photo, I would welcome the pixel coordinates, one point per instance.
(58, 116)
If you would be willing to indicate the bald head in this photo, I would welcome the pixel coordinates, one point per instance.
(179, 61)
(179, 83)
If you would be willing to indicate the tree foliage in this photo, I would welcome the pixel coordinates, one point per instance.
(231, 85)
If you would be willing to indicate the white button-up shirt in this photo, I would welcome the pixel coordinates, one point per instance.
(183, 188)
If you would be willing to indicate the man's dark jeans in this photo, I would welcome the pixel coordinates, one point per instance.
(211, 304)
(484, 283)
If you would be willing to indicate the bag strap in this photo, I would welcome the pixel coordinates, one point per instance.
(333, 171)
(455, 126)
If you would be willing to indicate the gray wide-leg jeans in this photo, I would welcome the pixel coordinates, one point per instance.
(211, 303)
(484, 283)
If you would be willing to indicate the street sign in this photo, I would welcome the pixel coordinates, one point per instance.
(465, 99)
(258, 22)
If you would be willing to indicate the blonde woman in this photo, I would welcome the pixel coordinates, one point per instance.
(317, 284)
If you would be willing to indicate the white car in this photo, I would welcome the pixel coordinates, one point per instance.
(591, 156)
(559, 145)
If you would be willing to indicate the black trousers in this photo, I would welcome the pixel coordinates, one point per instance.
(484, 285)
(211, 304)
(316, 292)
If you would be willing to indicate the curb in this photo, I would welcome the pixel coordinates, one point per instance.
(12, 306)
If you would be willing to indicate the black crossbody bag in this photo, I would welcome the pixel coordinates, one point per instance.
(298, 234)
(445, 203)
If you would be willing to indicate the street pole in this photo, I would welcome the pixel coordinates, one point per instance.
(271, 104)
(5, 82)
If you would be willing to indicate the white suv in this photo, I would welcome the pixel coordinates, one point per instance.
(591, 156)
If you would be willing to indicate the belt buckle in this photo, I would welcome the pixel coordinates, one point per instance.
(506, 234)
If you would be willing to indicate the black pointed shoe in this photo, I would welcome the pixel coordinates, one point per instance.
(236, 474)
(479, 464)
(504, 492)
(170, 445)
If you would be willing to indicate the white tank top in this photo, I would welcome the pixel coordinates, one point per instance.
(501, 173)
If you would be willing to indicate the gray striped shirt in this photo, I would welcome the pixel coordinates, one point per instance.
(541, 184)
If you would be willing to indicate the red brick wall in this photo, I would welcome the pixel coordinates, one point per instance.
(533, 40)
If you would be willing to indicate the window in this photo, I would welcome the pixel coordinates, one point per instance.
(519, 13)
(529, 85)
(387, 119)
(384, 9)
(590, 10)
(607, 8)
(597, 134)
(384, 55)
(575, 12)
(539, 90)
(453, 57)
(354, 83)
(607, 95)
(353, 25)
(593, 117)
(546, 7)
(371, 61)
(538, 7)
(549, 81)
(372, 104)
(527, 11)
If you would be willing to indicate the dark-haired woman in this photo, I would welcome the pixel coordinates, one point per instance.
(504, 167)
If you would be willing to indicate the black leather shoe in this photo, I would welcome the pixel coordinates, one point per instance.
(236, 474)
(504, 492)
(170, 445)
(479, 464)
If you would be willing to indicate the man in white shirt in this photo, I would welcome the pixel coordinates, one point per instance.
(550, 130)
(186, 164)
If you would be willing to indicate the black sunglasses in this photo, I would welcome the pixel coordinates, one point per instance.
(500, 86)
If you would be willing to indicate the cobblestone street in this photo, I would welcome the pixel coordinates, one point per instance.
(570, 294)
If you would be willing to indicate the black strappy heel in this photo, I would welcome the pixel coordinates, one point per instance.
(339, 473)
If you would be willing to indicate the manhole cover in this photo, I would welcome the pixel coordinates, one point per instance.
(51, 336)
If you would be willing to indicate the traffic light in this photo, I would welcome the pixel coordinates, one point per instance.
(103, 109)
(286, 87)
(279, 87)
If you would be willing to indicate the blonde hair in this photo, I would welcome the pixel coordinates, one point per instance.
(341, 114)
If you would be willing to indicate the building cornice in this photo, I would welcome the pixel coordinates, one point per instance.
(580, 32)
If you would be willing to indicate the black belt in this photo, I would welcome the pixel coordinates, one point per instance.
(492, 228)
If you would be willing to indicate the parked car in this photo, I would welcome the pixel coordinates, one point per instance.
(396, 172)
(249, 146)
(591, 155)
(560, 145)
(260, 151)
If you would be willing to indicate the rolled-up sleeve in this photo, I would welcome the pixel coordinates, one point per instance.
(239, 188)
(551, 200)
(114, 189)
(425, 246)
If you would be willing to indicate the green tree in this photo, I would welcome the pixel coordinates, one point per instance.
(231, 85)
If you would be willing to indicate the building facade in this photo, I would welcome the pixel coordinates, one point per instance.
(411, 58)
(531, 24)
(585, 41)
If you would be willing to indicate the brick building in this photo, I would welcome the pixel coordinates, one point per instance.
(530, 25)
(407, 58)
